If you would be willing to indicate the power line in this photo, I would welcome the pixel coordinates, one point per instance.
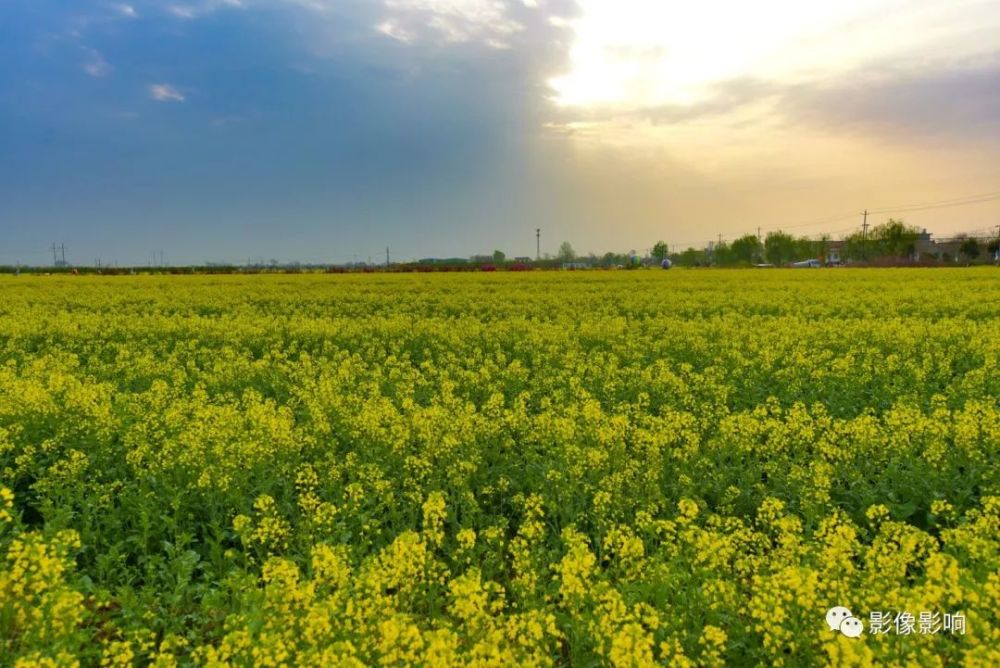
(940, 205)
(952, 201)
(902, 208)
(819, 221)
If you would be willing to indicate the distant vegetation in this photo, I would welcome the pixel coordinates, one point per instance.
(892, 242)
(888, 243)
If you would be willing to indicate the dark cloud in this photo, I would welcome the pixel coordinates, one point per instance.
(897, 101)
(894, 100)
(346, 138)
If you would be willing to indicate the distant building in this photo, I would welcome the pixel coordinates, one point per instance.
(523, 259)
(946, 250)
(576, 265)
(924, 247)
(481, 258)
(833, 253)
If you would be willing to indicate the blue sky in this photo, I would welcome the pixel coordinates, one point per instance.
(217, 130)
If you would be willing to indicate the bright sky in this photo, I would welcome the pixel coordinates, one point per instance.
(324, 130)
(635, 53)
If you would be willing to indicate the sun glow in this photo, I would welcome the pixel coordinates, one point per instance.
(639, 53)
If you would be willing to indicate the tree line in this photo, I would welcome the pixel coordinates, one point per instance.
(891, 240)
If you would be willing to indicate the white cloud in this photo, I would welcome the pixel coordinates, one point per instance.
(165, 93)
(391, 28)
(183, 11)
(126, 10)
(637, 54)
(195, 10)
(315, 5)
(95, 65)
(452, 21)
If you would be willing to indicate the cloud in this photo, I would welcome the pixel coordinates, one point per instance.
(183, 11)
(959, 100)
(502, 49)
(126, 10)
(886, 100)
(390, 28)
(490, 22)
(636, 53)
(198, 9)
(165, 93)
(95, 65)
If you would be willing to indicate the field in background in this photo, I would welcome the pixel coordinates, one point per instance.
(499, 469)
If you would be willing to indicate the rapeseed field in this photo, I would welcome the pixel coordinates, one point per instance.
(684, 468)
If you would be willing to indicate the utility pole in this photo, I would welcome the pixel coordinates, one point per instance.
(61, 250)
(538, 244)
(864, 226)
(758, 233)
(387, 257)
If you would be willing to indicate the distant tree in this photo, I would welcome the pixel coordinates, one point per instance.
(660, 251)
(690, 258)
(895, 239)
(806, 248)
(892, 239)
(993, 247)
(779, 247)
(822, 247)
(499, 256)
(610, 259)
(746, 249)
(857, 247)
(722, 255)
(566, 252)
(969, 248)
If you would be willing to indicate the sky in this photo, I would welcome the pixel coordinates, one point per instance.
(327, 130)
